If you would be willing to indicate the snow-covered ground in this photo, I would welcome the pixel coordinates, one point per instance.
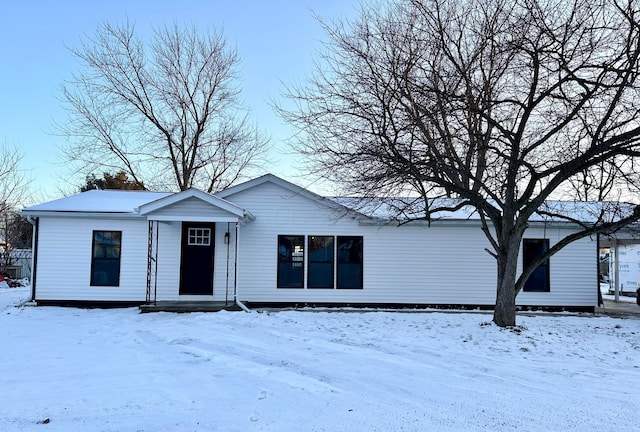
(64, 369)
(621, 298)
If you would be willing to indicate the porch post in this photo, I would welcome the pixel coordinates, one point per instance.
(235, 264)
(616, 270)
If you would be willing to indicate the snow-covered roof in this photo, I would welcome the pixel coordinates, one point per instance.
(194, 193)
(406, 209)
(99, 201)
(374, 210)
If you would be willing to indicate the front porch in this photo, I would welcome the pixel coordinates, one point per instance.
(192, 252)
(189, 306)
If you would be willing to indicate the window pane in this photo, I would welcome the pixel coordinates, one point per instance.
(539, 279)
(320, 272)
(105, 265)
(350, 262)
(199, 237)
(290, 261)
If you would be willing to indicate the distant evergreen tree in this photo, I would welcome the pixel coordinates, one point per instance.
(120, 180)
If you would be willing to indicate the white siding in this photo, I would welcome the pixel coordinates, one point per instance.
(64, 260)
(407, 264)
(573, 272)
(192, 207)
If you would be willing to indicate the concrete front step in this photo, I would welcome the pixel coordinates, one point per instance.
(188, 306)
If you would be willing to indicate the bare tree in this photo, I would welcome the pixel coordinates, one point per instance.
(14, 181)
(167, 114)
(501, 104)
(15, 231)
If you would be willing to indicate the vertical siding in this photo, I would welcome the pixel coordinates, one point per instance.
(64, 260)
(407, 264)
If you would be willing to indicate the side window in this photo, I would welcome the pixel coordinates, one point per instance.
(349, 262)
(538, 281)
(320, 265)
(290, 261)
(105, 258)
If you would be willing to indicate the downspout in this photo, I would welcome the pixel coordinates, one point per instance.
(600, 301)
(228, 242)
(235, 274)
(34, 254)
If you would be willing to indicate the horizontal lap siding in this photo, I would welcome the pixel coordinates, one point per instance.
(168, 274)
(437, 265)
(573, 272)
(407, 264)
(192, 207)
(64, 260)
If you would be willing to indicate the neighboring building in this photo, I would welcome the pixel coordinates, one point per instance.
(16, 263)
(268, 241)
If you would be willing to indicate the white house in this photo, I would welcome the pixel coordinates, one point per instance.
(268, 241)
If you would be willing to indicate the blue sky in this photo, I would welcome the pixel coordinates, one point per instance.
(276, 40)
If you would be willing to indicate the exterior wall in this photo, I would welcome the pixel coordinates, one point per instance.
(408, 264)
(573, 272)
(411, 264)
(64, 260)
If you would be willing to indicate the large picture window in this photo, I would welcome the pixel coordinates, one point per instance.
(105, 254)
(538, 281)
(320, 267)
(290, 261)
(349, 262)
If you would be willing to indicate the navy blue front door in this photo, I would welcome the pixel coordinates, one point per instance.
(196, 263)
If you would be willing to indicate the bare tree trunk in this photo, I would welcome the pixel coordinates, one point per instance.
(504, 313)
(505, 310)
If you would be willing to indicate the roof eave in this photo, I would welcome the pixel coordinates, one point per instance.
(80, 214)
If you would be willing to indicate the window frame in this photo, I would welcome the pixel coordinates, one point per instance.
(339, 279)
(310, 263)
(94, 258)
(199, 233)
(279, 275)
(545, 266)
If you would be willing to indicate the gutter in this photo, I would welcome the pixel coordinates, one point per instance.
(460, 222)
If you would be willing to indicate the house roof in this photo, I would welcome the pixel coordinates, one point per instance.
(99, 201)
(133, 203)
(406, 209)
(268, 178)
(294, 189)
(369, 210)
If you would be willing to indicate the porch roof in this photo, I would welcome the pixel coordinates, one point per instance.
(193, 205)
